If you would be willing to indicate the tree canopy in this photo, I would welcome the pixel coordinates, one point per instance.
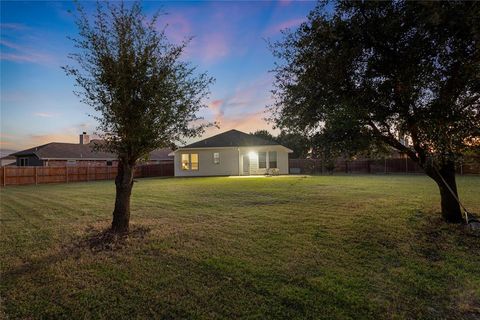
(382, 70)
(145, 96)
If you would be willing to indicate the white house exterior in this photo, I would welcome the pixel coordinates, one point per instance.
(231, 153)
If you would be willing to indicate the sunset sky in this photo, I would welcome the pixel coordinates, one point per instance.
(37, 103)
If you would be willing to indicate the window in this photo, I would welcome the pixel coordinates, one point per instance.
(71, 162)
(272, 159)
(216, 158)
(23, 162)
(190, 161)
(185, 161)
(262, 160)
(109, 163)
(194, 161)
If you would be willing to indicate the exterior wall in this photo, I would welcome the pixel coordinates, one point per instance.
(228, 165)
(32, 161)
(252, 153)
(231, 161)
(6, 162)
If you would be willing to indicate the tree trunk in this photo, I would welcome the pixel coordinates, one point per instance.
(124, 184)
(450, 207)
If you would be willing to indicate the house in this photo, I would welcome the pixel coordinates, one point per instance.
(7, 160)
(56, 154)
(231, 153)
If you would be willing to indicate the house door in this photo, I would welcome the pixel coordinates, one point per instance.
(246, 165)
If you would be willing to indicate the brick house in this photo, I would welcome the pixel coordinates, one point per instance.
(57, 154)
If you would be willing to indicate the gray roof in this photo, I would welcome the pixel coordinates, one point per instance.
(60, 150)
(232, 138)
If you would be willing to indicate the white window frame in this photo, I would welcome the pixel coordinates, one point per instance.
(189, 166)
(276, 160)
(216, 158)
(266, 159)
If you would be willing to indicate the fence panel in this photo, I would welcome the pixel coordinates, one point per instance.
(13, 175)
(470, 165)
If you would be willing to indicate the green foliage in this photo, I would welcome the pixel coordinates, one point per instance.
(264, 134)
(144, 95)
(370, 70)
(298, 143)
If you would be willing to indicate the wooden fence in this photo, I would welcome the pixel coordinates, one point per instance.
(13, 175)
(470, 165)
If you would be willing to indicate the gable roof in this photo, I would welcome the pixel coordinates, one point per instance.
(231, 138)
(60, 150)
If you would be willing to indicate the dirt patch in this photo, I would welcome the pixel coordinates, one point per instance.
(106, 240)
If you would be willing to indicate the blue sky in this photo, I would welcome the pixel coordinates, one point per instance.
(37, 102)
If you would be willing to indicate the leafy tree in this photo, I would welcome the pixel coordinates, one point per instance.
(144, 96)
(297, 142)
(386, 68)
(264, 134)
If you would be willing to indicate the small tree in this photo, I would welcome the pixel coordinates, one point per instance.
(376, 69)
(144, 96)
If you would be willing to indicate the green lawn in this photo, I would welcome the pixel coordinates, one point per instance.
(328, 247)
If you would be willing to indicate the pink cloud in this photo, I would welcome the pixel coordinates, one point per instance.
(177, 27)
(213, 47)
(248, 122)
(285, 2)
(272, 30)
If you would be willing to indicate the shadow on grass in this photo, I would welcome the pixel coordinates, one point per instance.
(94, 241)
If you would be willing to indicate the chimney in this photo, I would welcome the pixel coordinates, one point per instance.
(84, 138)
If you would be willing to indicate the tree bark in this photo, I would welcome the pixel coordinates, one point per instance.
(450, 207)
(124, 185)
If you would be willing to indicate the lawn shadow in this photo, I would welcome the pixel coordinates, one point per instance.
(93, 241)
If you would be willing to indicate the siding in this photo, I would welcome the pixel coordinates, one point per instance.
(228, 165)
(231, 161)
(282, 158)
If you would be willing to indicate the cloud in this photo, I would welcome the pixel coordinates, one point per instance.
(20, 53)
(288, 24)
(13, 26)
(213, 47)
(244, 109)
(177, 27)
(45, 114)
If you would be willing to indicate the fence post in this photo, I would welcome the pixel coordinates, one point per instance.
(406, 165)
(385, 161)
(66, 173)
(4, 176)
(36, 175)
(94, 173)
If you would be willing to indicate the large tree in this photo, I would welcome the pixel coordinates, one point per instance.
(384, 70)
(144, 95)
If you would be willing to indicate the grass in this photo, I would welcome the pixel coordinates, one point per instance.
(328, 247)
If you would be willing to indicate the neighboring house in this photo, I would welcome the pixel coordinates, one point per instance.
(7, 160)
(231, 153)
(56, 154)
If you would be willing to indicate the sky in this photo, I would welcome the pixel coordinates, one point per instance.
(230, 43)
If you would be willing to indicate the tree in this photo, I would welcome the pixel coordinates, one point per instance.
(297, 142)
(264, 134)
(144, 96)
(386, 68)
